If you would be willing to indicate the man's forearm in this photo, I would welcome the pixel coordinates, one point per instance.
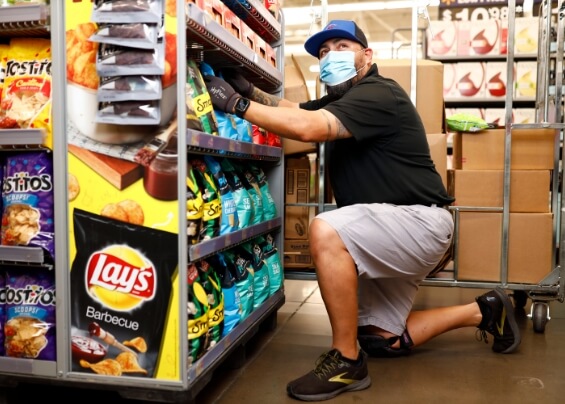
(271, 100)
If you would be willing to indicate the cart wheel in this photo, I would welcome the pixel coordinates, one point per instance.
(520, 298)
(540, 316)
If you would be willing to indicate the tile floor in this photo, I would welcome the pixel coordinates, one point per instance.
(452, 368)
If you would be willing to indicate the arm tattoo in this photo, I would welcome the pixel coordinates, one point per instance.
(329, 124)
(341, 130)
(263, 98)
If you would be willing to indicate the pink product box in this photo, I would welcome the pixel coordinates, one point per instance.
(484, 36)
(449, 83)
(463, 38)
(442, 38)
(478, 112)
(470, 79)
(495, 116)
(503, 37)
(496, 79)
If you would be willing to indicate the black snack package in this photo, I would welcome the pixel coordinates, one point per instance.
(121, 284)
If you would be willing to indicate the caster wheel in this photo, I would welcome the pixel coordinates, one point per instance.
(540, 316)
(520, 299)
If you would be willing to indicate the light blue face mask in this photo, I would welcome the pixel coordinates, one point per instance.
(337, 67)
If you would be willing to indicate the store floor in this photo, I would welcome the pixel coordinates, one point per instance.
(452, 368)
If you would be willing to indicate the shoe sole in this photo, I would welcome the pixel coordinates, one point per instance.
(360, 385)
(511, 320)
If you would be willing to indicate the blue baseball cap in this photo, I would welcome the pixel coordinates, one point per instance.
(335, 29)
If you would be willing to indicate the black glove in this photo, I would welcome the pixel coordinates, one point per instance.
(238, 82)
(223, 96)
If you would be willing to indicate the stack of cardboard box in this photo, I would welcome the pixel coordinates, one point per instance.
(477, 180)
(298, 186)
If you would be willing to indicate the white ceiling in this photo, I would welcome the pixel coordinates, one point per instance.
(386, 23)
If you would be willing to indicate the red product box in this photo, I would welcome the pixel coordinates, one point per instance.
(271, 55)
(248, 36)
(471, 79)
(485, 37)
(261, 47)
(496, 79)
(232, 23)
(216, 9)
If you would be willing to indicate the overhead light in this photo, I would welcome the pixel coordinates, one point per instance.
(306, 15)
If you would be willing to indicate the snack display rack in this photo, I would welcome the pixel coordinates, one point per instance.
(200, 37)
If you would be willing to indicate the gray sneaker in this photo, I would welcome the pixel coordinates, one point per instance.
(332, 376)
(498, 320)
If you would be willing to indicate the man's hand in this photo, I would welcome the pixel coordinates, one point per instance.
(223, 96)
(238, 82)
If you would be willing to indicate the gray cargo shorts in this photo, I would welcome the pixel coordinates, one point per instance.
(394, 247)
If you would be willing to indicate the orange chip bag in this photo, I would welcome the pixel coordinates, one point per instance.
(3, 59)
(26, 94)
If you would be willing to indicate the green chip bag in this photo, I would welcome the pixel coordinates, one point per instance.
(466, 123)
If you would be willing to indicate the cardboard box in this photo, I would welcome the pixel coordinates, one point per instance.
(532, 149)
(479, 247)
(296, 90)
(438, 152)
(529, 189)
(429, 87)
(297, 190)
(296, 254)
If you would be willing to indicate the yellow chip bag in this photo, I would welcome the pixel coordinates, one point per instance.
(26, 95)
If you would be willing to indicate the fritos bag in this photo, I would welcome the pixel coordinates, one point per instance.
(26, 95)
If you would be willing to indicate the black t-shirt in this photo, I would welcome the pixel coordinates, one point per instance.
(388, 158)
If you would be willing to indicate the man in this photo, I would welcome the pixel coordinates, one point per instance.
(390, 228)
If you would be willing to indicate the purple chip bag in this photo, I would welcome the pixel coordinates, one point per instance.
(2, 309)
(27, 196)
(29, 330)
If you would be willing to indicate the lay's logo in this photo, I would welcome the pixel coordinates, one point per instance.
(120, 277)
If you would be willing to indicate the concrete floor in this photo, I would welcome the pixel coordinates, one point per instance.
(452, 368)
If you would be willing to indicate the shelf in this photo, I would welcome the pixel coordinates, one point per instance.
(198, 373)
(203, 143)
(259, 19)
(19, 254)
(222, 49)
(209, 247)
(25, 20)
(468, 100)
(21, 137)
(482, 58)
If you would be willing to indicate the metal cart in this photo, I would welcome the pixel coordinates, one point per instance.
(548, 116)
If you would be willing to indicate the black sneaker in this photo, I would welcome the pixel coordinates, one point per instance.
(498, 320)
(333, 375)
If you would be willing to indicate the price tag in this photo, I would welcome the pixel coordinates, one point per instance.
(476, 10)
